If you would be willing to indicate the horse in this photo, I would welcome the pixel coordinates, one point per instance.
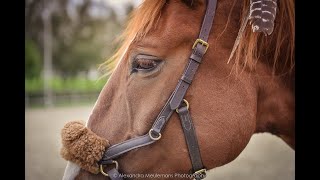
(244, 85)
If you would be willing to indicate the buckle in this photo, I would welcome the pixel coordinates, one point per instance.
(202, 42)
(200, 173)
(112, 162)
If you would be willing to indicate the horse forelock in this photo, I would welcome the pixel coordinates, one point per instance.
(141, 22)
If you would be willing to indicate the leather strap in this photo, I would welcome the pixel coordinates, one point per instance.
(191, 140)
(114, 174)
(118, 149)
(196, 56)
(175, 98)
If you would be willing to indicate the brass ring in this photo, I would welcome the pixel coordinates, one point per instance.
(187, 103)
(106, 174)
(201, 171)
(154, 138)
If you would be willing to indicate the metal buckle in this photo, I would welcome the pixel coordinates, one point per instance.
(106, 174)
(201, 171)
(154, 138)
(187, 103)
(202, 42)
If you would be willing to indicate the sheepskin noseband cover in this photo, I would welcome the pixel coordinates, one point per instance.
(81, 146)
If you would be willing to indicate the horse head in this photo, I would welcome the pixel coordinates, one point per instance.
(228, 102)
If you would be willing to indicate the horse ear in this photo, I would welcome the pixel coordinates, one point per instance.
(262, 15)
(189, 3)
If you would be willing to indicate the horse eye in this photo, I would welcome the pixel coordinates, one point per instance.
(145, 63)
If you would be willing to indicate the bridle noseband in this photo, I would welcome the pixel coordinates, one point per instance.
(175, 103)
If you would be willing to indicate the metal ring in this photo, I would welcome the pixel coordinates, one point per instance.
(201, 171)
(154, 138)
(106, 174)
(187, 103)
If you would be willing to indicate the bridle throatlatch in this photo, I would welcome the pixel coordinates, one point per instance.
(97, 154)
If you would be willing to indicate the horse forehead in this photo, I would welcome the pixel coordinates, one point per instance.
(177, 24)
(184, 19)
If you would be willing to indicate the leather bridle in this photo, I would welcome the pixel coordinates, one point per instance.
(175, 103)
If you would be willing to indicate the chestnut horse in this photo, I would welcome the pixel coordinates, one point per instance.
(240, 88)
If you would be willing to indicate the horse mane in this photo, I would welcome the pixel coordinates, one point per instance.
(276, 49)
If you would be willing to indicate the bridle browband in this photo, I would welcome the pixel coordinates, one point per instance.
(175, 103)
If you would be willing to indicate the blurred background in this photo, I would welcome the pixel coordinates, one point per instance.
(65, 42)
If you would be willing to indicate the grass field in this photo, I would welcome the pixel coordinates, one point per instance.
(265, 158)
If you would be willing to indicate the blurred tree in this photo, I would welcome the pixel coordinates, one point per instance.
(81, 32)
(33, 62)
(129, 9)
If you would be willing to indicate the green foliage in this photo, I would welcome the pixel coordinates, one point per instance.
(33, 62)
(77, 57)
(69, 85)
(80, 41)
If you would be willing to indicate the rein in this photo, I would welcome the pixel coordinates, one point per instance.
(175, 103)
